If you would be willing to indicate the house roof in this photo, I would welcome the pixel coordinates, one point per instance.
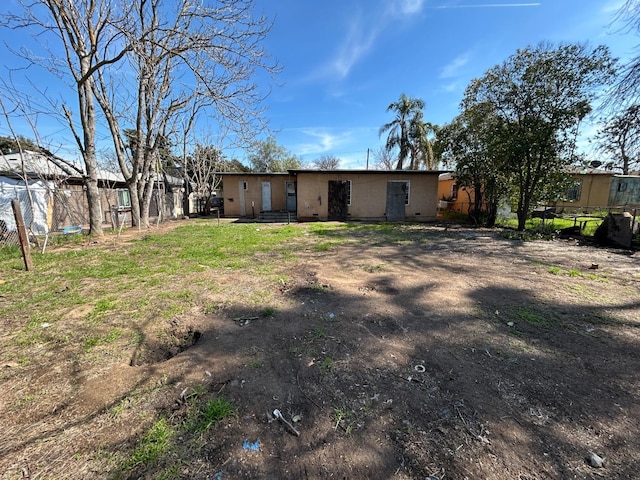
(264, 174)
(34, 164)
(38, 165)
(332, 172)
(370, 172)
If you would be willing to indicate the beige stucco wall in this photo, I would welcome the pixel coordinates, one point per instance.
(239, 203)
(368, 194)
(594, 192)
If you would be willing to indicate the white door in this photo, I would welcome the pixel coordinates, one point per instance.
(266, 196)
(242, 185)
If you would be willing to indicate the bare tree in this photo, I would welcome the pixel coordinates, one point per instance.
(384, 159)
(174, 59)
(201, 169)
(327, 162)
(627, 88)
(85, 29)
(620, 137)
(190, 61)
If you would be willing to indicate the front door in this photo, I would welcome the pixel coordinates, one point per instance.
(266, 196)
(290, 188)
(242, 187)
(396, 195)
(338, 200)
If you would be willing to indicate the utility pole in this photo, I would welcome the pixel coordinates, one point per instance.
(367, 159)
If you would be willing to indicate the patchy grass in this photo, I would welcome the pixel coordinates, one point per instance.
(85, 312)
(153, 446)
(575, 273)
(210, 413)
(537, 226)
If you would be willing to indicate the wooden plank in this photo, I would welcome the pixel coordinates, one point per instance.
(22, 234)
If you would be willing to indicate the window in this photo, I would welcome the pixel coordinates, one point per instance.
(245, 186)
(406, 188)
(124, 200)
(454, 191)
(573, 192)
(348, 192)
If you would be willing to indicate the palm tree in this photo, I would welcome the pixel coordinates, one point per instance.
(421, 135)
(408, 111)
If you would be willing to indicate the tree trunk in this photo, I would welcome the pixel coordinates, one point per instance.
(88, 119)
(135, 202)
(146, 203)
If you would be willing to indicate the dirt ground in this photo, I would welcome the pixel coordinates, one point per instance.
(456, 355)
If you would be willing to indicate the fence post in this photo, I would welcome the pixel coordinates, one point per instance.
(22, 234)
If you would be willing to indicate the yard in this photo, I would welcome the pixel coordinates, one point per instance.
(390, 351)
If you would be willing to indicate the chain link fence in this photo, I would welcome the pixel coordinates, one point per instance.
(44, 211)
(8, 229)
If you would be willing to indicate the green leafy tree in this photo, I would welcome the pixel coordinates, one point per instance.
(10, 144)
(620, 138)
(268, 156)
(469, 143)
(235, 165)
(539, 96)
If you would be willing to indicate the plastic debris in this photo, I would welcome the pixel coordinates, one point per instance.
(595, 460)
(255, 446)
(288, 426)
(332, 315)
(419, 368)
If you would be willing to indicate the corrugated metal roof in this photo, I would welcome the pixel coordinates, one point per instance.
(38, 165)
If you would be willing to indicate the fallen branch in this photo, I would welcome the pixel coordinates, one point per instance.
(288, 426)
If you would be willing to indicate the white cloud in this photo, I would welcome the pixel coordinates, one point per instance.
(489, 5)
(451, 87)
(613, 7)
(358, 42)
(321, 141)
(312, 143)
(363, 32)
(452, 69)
(407, 7)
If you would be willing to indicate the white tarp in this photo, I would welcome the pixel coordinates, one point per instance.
(36, 218)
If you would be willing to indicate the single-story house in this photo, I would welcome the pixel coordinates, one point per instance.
(451, 196)
(600, 189)
(592, 190)
(248, 194)
(380, 195)
(52, 193)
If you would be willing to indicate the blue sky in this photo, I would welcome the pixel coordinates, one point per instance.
(345, 61)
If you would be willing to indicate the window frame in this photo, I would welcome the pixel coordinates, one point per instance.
(121, 193)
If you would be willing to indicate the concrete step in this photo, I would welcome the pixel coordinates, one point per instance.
(277, 217)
